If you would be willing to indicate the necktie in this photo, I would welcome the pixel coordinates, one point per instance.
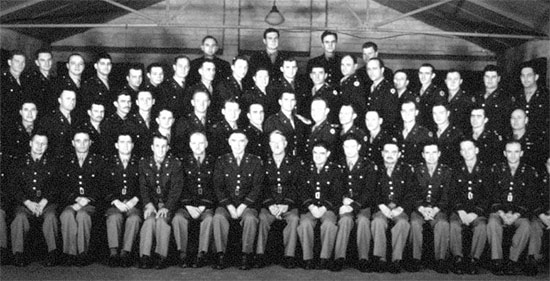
(199, 161)
(350, 165)
(238, 160)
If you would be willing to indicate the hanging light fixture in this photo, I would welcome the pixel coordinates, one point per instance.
(274, 17)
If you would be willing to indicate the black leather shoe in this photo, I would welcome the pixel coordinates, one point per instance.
(309, 264)
(531, 267)
(145, 262)
(323, 264)
(19, 260)
(183, 262)
(338, 265)
(497, 267)
(246, 262)
(52, 259)
(82, 260)
(394, 267)
(289, 262)
(70, 260)
(126, 261)
(5, 257)
(260, 261)
(414, 265)
(471, 267)
(220, 262)
(364, 265)
(513, 268)
(200, 261)
(458, 265)
(441, 267)
(114, 261)
(161, 263)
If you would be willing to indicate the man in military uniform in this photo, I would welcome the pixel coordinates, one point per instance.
(261, 92)
(428, 94)
(155, 85)
(321, 130)
(447, 136)
(330, 59)
(15, 139)
(34, 183)
(165, 121)
(197, 121)
(98, 86)
(376, 137)
(487, 140)
(511, 204)
(207, 71)
(59, 124)
(233, 86)
(196, 203)
(122, 195)
(400, 83)
(320, 196)
(271, 58)
(434, 184)
(72, 81)
(534, 146)
(394, 193)
(460, 103)
(238, 179)
(177, 87)
(93, 124)
(382, 96)
(534, 100)
(143, 123)
(280, 200)
(496, 102)
(221, 131)
(258, 141)
(41, 87)
(12, 86)
(322, 89)
(290, 82)
(289, 123)
(370, 50)
(540, 222)
(469, 207)
(221, 69)
(134, 77)
(412, 136)
(359, 181)
(82, 178)
(351, 88)
(161, 184)
(118, 121)
(347, 117)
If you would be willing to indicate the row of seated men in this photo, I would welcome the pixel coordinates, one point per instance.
(171, 190)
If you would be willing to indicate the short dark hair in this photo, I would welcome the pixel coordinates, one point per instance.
(370, 44)
(231, 100)
(209, 37)
(181, 57)
(492, 68)
(134, 66)
(286, 92)
(428, 65)
(410, 100)
(442, 103)
(327, 33)
(125, 133)
(351, 136)
(380, 61)
(239, 57)
(74, 55)
(102, 55)
(154, 64)
(270, 30)
(16, 52)
(121, 93)
(260, 69)
(42, 51)
(322, 144)
(207, 61)
(353, 58)
(453, 70)
(318, 65)
(25, 101)
(529, 65)
(402, 71)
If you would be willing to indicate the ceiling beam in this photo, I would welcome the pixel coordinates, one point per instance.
(348, 5)
(503, 13)
(131, 10)
(19, 7)
(413, 12)
(361, 30)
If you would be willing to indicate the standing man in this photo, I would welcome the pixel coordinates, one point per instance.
(82, 178)
(369, 51)
(122, 179)
(207, 72)
(280, 200)
(258, 141)
(494, 99)
(487, 140)
(321, 130)
(401, 83)
(72, 81)
(197, 203)
(460, 103)
(289, 82)
(429, 94)
(376, 137)
(34, 183)
(98, 87)
(394, 195)
(197, 121)
(118, 121)
(469, 205)
(320, 197)
(12, 85)
(447, 136)
(155, 75)
(221, 131)
(16, 137)
(271, 58)
(142, 121)
(329, 59)
(534, 145)
(260, 92)
(233, 86)
(160, 183)
(351, 88)
(359, 181)
(93, 125)
(134, 77)
(412, 135)
(222, 69)
(382, 96)
(322, 89)
(177, 86)
(238, 179)
(434, 184)
(41, 87)
(534, 100)
(511, 204)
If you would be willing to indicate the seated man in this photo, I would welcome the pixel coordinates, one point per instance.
(122, 178)
(81, 172)
(238, 177)
(280, 199)
(321, 193)
(35, 192)
(160, 182)
(539, 223)
(197, 201)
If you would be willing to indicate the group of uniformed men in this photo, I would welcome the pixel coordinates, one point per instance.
(348, 149)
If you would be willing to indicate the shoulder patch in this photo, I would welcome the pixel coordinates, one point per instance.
(356, 83)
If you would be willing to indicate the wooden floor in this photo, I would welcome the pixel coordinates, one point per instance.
(97, 271)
